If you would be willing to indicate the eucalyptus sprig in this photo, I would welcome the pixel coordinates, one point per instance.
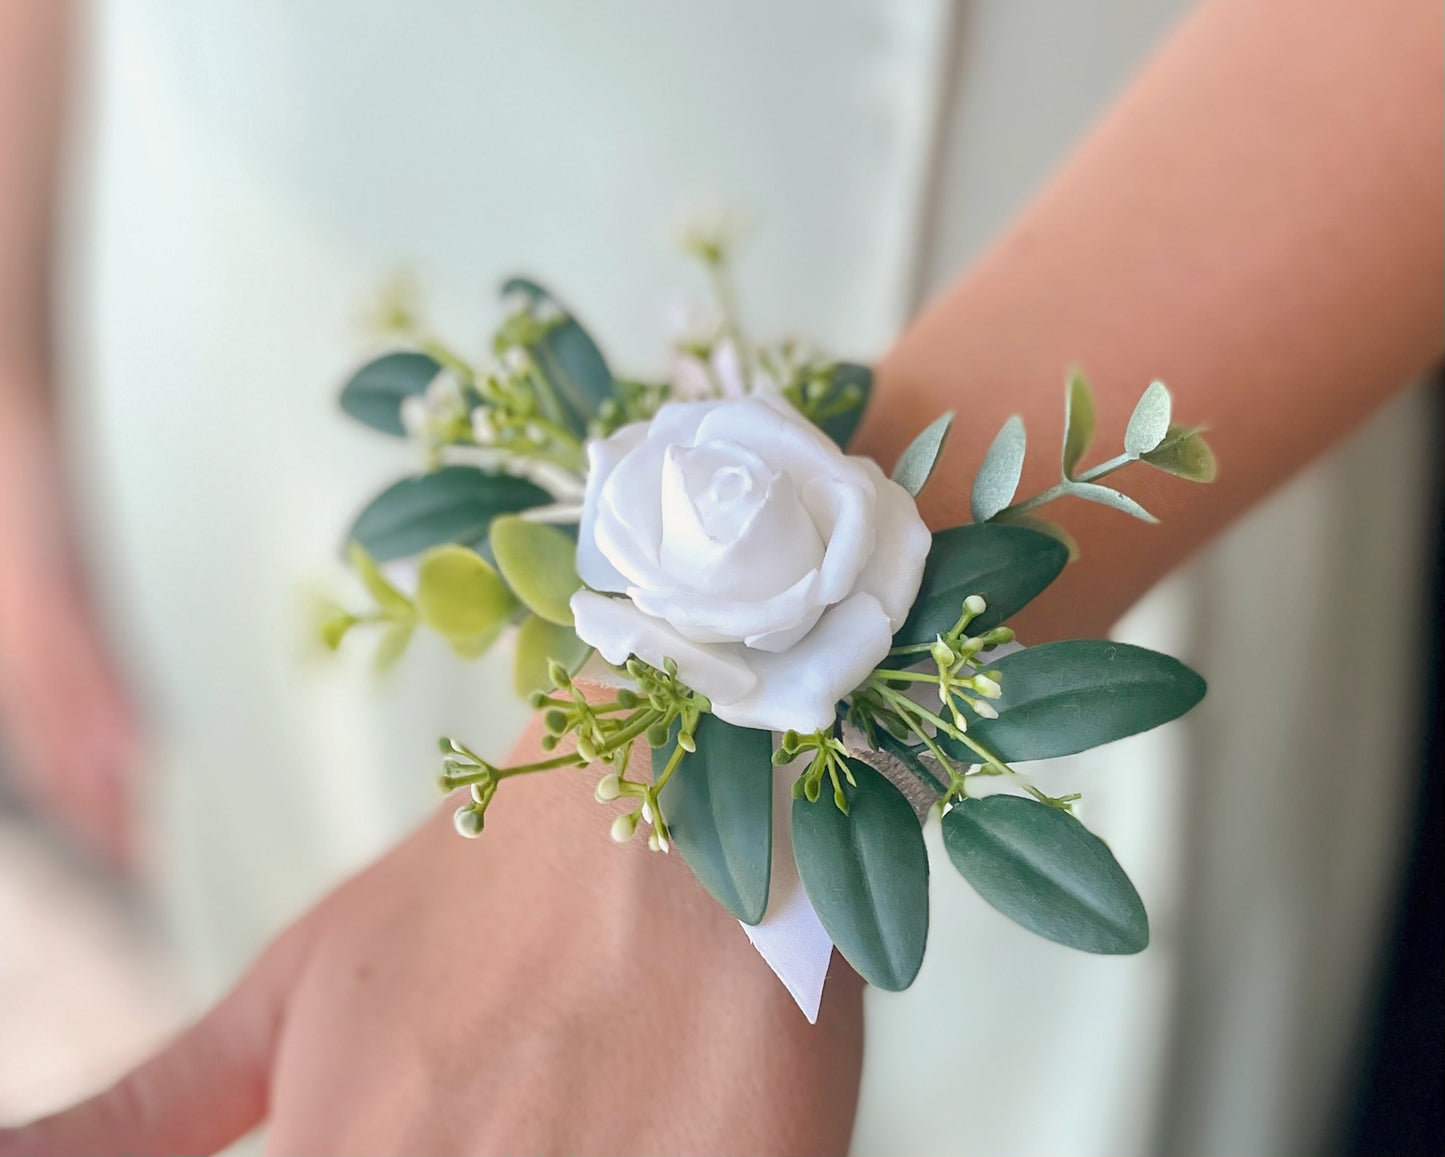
(1151, 437)
(658, 708)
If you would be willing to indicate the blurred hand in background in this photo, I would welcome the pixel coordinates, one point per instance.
(69, 737)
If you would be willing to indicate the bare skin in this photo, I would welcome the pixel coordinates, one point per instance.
(1259, 224)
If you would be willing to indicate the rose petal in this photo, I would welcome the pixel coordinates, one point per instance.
(603, 454)
(894, 571)
(799, 688)
(706, 618)
(618, 629)
(773, 430)
(843, 509)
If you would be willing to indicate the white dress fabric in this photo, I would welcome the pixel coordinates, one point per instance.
(250, 170)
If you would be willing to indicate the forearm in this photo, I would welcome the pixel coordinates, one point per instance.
(1259, 224)
(32, 78)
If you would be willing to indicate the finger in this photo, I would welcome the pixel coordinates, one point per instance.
(204, 1090)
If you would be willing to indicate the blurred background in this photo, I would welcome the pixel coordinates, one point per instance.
(239, 178)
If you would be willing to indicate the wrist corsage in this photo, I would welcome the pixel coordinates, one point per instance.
(765, 610)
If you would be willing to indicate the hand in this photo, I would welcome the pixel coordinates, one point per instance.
(63, 716)
(535, 990)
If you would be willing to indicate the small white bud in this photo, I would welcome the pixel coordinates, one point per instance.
(476, 793)
(986, 709)
(623, 827)
(654, 843)
(484, 430)
(609, 787)
(942, 653)
(468, 821)
(415, 415)
(646, 812)
(975, 605)
(986, 687)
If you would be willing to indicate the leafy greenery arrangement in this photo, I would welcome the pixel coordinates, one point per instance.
(524, 456)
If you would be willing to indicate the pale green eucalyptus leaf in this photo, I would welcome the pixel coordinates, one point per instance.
(1149, 422)
(1043, 869)
(394, 640)
(1107, 496)
(1185, 454)
(1078, 423)
(539, 563)
(539, 643)
(462, 598)
(334, 628)
(390, 601)
(998, 478)
(916, 465)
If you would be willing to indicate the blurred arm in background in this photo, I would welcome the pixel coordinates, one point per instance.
(1259, 223)
(63, 716)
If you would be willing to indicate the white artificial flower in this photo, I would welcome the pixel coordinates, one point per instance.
(735, 538)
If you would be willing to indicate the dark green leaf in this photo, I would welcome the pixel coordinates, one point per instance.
(998, 477)
(1007, 565)
(1043, 869)
(1060, 698)
(453, 504)
(917, 462)
(1184, 453)
(375, 392)
(866, 874)
(847, 376)
(719, 809)
(568, 357)
(1078, 422)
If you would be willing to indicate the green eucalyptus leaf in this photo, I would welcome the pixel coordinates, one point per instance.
(334, 628)
(847, 376)
(1060, 698)
(719, 809)
(1008, 565)
(1043, 869)
(538, 644)
(998, 478)
(539, 563)
(1184, 453)
(461, 597)
(866, 874)
(1078, 422)
(568, 357)
(375, 392)
(1107, 496)
(393, 643)
(453, 504)
(389, 600)
(916, 465)
(1150, 421)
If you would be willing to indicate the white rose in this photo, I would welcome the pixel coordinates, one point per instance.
(747, 547)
